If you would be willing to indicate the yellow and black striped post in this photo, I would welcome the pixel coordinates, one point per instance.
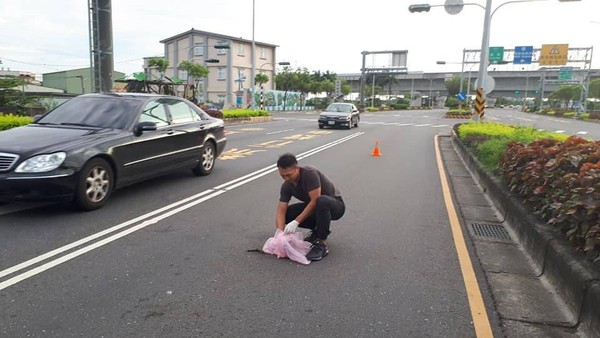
(479, 104)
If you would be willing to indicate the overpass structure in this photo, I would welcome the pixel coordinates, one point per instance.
(508, 84)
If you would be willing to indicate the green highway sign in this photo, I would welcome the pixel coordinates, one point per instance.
(496, 54)
(565, 73)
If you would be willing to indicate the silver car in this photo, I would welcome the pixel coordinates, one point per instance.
(339, 114)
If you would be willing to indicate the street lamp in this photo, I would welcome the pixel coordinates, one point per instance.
(455, 8)
(253, 73)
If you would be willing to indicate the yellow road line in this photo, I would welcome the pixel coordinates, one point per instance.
(478, 312)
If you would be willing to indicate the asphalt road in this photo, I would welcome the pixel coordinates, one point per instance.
(168, 257)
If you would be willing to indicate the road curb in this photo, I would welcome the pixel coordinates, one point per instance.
(576, 280)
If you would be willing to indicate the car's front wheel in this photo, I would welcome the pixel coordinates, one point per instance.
(207, 160)
(95, 184)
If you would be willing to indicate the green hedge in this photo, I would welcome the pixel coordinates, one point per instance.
(236, 113)
(489, 140)
(8, 121)
(557, 176)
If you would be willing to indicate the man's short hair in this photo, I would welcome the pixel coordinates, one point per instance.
(287, 160)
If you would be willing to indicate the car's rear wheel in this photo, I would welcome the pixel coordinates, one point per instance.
(207, 160)
(95, 185)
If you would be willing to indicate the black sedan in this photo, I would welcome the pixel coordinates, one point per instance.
(339, 114)
(92, 144)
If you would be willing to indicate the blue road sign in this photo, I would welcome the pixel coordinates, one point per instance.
(461, 96)
(523, 55)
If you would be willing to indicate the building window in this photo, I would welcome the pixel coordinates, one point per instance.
(198, 49)
(221, 51)
(221, 73)
(263, 53)
(241, 49)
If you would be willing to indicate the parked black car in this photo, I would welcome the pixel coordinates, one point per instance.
(339, 114)
(92, 144)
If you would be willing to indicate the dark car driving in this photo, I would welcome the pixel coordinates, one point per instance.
(92, 144)
(339, 114)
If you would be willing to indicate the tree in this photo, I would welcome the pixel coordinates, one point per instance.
(261, 78)
(594, 90)
(346, 88)
(285, 81)
(453, 85)
(9, 95)
(195, 72)
(161, 64)
(566, 94)
(389, 80)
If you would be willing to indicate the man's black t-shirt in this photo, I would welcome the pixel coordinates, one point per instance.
(310, 179)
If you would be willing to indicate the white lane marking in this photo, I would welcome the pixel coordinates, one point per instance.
(105, 241)
(146, 220)
(440, 126)
(96, 236)
(279, 131)
(582, 132)
(560, 131)
(404, 124)
(423, 125)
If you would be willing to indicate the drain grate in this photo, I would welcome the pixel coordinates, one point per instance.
(490, 231)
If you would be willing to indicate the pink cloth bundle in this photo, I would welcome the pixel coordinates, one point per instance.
(291, 246)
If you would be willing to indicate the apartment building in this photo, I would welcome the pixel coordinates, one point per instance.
(229, 61)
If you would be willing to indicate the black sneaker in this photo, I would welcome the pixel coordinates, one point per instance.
(312, 238)
(317, 252)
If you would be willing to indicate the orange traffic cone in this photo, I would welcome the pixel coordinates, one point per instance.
(376, 150)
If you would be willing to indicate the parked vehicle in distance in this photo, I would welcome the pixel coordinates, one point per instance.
(92, 144)
(339, 114)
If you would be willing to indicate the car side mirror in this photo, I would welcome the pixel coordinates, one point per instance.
(141, 127)
(37, 118)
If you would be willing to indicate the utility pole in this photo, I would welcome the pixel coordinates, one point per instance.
(101, 44)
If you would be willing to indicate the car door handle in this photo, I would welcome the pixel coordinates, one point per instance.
(201, 127)
(170, 131)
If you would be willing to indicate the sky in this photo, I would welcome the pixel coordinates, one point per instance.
(43, 36)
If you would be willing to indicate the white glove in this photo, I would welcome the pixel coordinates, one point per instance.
(291, 227)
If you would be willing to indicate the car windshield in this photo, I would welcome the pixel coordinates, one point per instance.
(99, 112)
(339, 108)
